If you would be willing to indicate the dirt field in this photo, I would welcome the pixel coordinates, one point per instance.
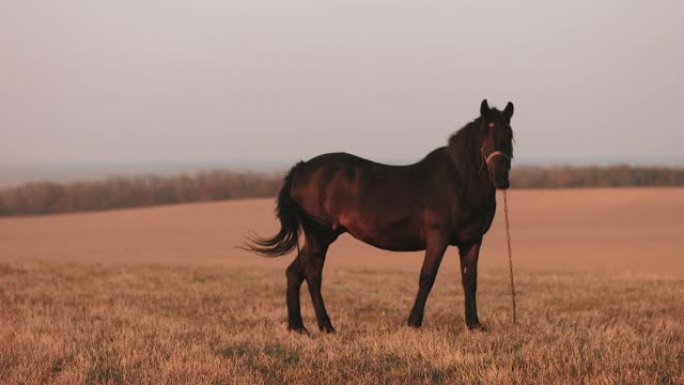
(159, 295)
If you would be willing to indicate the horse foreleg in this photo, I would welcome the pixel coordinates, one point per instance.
(433, 257)
(469, 256)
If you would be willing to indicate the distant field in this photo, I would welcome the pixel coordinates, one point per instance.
(158, 295)
(639, 230)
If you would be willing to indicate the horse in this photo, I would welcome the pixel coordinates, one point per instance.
(446, 199)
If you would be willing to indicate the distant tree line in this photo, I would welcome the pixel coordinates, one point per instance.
(140, 191)
(595, 176)
(136, 191)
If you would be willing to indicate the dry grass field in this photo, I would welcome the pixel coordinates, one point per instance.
(159, 295)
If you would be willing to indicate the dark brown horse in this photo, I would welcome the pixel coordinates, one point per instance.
(448, 198)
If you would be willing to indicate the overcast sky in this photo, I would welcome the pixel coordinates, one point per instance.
(136, 81)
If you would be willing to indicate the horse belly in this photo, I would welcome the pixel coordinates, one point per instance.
(400, 234)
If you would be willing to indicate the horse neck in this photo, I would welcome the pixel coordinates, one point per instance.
(464, 151)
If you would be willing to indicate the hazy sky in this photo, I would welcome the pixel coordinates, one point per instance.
(241, 81)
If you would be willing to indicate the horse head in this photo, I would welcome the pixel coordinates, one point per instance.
(497, 146)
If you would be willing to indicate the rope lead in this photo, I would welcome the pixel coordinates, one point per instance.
(510, 252)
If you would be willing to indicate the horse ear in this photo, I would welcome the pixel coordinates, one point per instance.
(508, 112)
(484, 107)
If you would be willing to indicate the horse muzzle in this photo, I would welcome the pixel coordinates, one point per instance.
(502, 183)
(498, 171)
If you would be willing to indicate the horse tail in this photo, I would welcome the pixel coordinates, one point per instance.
(290, 215)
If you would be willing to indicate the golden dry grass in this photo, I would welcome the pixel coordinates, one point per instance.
(156, 296)
(70, 324)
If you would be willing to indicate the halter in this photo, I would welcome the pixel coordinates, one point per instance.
(492, 155)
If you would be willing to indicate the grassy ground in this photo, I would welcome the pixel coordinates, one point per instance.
(104, 324)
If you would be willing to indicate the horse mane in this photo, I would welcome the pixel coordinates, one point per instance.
(464, 148)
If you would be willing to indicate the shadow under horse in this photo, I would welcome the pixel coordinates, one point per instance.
(447, 198)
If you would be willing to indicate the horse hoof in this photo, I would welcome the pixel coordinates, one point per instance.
(328, 329)
(477, 327)
(299, 330)
(416, 324)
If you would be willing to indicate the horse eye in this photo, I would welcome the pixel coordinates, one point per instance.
(491, 125)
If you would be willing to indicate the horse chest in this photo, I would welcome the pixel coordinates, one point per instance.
(471, 223)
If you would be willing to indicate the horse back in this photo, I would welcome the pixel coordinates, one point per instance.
(383, 205)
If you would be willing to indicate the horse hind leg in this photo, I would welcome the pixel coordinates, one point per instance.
(312, 263)
(295, 277)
